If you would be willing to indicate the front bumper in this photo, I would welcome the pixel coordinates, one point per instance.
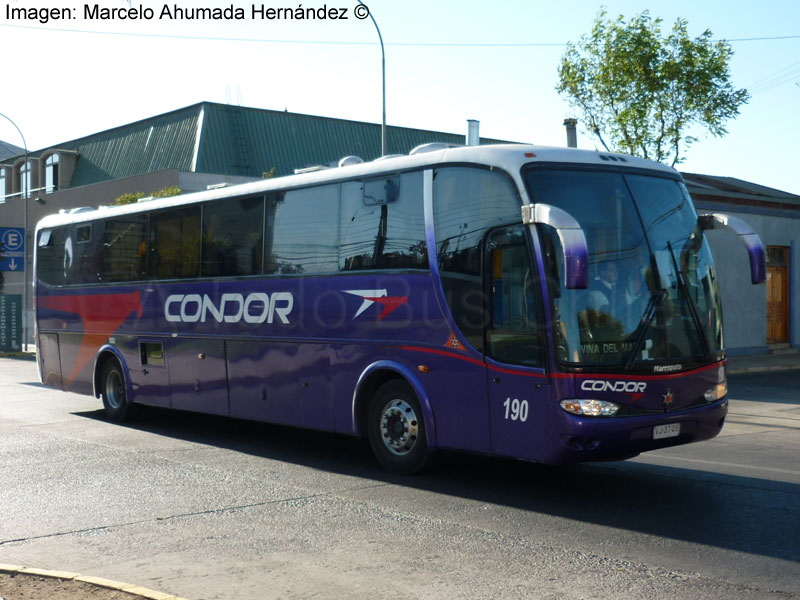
(580, 439)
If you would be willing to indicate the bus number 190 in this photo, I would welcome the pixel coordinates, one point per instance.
(516, 410)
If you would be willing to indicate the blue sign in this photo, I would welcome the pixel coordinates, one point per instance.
(10, 323)
(12, 248)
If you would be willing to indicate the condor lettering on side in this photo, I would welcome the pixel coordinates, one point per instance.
(623, 387)
(255, 308)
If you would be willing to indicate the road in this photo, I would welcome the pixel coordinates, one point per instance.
(209, 508)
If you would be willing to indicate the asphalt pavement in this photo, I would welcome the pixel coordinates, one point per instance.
(215, 509)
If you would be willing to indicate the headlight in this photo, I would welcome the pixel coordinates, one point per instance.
(717, 392)
(590, 408)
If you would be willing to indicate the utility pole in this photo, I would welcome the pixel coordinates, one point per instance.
(383, 77)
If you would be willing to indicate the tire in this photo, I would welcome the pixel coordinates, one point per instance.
(113, 390)
(396, 429)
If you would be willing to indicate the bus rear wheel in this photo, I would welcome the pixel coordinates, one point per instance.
(112, 388)
(396, 429)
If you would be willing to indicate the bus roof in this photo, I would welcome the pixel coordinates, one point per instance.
(510, 157)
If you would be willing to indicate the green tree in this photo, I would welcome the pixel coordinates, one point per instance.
(167, 192)
(644, 94)
(128, 198)
(132, 198)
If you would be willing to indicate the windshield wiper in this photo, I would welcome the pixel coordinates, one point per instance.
(687, 298)
(650, 311)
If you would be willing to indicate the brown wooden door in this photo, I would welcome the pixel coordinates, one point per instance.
(777, 295)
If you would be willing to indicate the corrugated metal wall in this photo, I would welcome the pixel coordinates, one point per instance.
(163, 142)
(247, 141)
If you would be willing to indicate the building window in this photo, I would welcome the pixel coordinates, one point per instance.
(2, 186)
(51, 174)
(25, 180)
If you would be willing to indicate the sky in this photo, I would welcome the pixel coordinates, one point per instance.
(446, 61)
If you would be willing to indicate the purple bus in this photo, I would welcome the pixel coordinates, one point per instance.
(550, 305)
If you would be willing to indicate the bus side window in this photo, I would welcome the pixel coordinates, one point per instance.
(123, 251)
(83, 234)
(87, 244)
(232, 237)
(382, 224)
(303, 231)
(513, 335)
(468, 201)
(175, 243)
(50, 259)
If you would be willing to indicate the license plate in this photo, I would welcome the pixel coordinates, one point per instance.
(666, 431)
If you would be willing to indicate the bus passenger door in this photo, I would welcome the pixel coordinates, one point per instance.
(515, 344)
(197, 375)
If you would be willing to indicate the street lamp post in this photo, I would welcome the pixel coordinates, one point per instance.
(383, 79)
(25, 256)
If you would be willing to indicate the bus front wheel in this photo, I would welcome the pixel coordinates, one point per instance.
(397, 429)
(112, 388)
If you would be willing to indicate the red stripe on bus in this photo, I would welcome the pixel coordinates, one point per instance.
(475, 361)
(469, 359)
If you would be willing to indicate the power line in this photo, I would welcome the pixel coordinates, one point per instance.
(773, 80)
(275, 41)
(350, 43)
(760, 39)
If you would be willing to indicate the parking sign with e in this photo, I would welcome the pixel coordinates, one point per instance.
(12, 248)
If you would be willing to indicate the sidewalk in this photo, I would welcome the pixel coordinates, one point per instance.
(764, 363)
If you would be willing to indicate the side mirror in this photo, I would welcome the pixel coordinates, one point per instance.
(748, 236)
(571, 236)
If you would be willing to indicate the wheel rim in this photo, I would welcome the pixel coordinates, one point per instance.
(399, 427)
(115, 393)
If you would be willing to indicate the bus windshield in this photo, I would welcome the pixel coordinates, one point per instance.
(652, 296)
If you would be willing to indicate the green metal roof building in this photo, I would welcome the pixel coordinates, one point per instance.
(222, 140)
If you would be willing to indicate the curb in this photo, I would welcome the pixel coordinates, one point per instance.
(128, 588)
(22, 355)
(742, 370)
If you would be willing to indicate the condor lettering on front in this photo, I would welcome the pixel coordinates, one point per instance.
(255, 308)
(626, 387)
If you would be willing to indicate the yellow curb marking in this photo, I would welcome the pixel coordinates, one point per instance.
(42, 573)
(128, 588)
